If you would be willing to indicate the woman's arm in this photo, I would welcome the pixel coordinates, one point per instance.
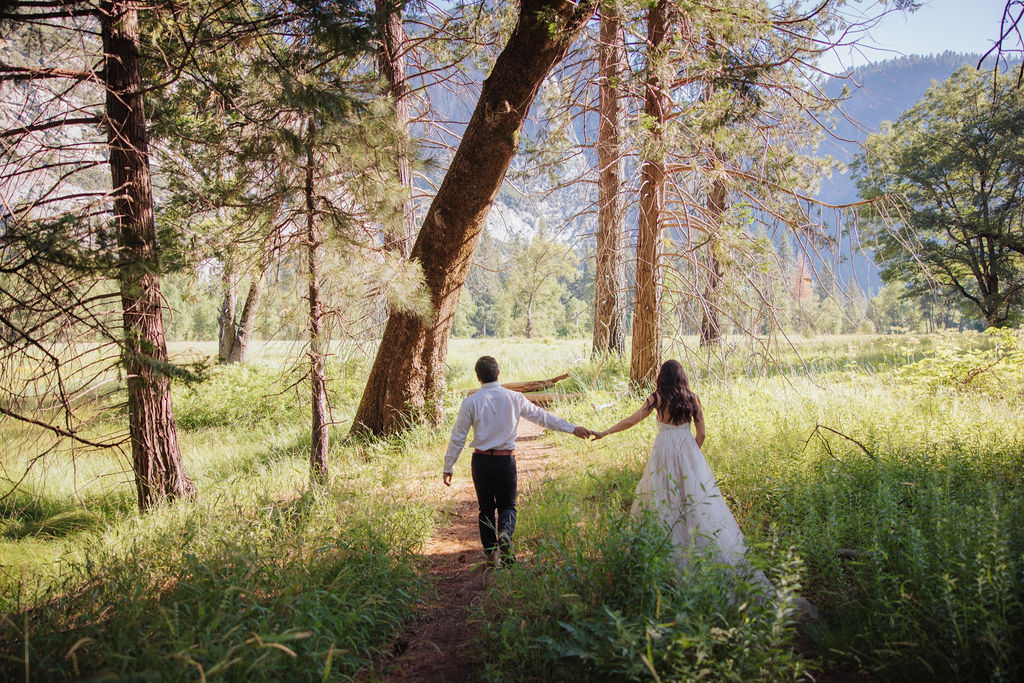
(628, 422)
(698, 425)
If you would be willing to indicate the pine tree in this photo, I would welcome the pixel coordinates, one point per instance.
(609, 314)
(60, 229)
(646, 348)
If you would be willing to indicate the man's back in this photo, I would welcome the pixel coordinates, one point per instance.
(493, 412)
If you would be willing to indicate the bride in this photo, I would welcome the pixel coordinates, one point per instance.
(677, 485)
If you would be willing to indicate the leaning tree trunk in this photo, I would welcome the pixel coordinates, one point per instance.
(317, 371)
(246, 323)
(646, 352)
(408, 372)
(609, 322)
(392, 60)
(156, 457)
(711, 300)
(226, 316)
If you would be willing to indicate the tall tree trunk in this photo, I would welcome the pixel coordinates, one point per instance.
(156, 457)
(529, 318)
(392, 60)
(408, 372)
(317, 344)
(226, 316)
(646, 352)
(710, 327)
(609, 322)
(246, 323)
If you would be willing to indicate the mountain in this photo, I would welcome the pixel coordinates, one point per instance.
(880, 91)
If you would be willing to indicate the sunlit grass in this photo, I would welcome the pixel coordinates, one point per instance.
(902, 504)
(834, 449)
(261, 577)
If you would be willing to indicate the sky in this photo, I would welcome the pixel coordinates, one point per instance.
(939, 25)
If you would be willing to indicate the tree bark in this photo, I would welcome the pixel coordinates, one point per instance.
(226, 317)
(609, 281)
(408, 372)
(529, 318)
(710, 327)
(646, 352)
(317, 344)
(529, 385)
(392, 60)
(246, 323)
(156, 458)
(236, 332)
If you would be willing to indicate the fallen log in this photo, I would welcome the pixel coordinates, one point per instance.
(543, 399)
(531, 385)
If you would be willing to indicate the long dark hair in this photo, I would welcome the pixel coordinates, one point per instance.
(673, 397)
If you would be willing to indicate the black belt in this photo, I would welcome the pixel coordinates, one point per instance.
(493, 451)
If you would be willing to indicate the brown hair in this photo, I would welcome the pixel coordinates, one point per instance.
(672, 396)
(486, 369)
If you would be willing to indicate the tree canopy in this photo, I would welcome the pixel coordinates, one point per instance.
(952, 171)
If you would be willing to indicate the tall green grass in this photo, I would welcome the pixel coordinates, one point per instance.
(260, 578)
(866, 473)
(600, 599)
(898, 503)
(931, 508)
(267, 590)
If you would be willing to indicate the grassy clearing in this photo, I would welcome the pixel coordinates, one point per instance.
(261, 578)
(601, 600)
(921, 489)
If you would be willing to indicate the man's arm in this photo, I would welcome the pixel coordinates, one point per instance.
(538, 415)
(463, 421)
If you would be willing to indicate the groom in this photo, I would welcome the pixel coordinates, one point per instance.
(493, 412)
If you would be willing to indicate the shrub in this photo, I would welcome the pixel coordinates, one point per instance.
(603, 601)
(239, 395)
(993, 368)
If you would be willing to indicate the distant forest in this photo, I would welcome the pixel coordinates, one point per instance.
(527, 279)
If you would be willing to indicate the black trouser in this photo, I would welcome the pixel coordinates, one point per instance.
(494, 477)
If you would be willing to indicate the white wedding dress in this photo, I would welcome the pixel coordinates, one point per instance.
(679, 489)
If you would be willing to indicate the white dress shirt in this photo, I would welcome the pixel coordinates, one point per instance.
(494, 413)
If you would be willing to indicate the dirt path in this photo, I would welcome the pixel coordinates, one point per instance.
(436, 647)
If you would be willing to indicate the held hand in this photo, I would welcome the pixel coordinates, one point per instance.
(582, 433)
(599, 435)
(446, 477)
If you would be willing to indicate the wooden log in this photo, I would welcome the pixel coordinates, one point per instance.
(543, 399)
(531, 385)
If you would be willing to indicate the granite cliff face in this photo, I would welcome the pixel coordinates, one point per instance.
(880, 92)
(70, 156)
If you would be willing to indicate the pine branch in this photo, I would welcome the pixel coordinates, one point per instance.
(47, 125)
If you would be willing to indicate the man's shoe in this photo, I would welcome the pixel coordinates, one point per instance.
(508, 557)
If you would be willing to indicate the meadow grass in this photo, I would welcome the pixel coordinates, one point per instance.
(262, 577)
(895, 505)
(866, 474)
